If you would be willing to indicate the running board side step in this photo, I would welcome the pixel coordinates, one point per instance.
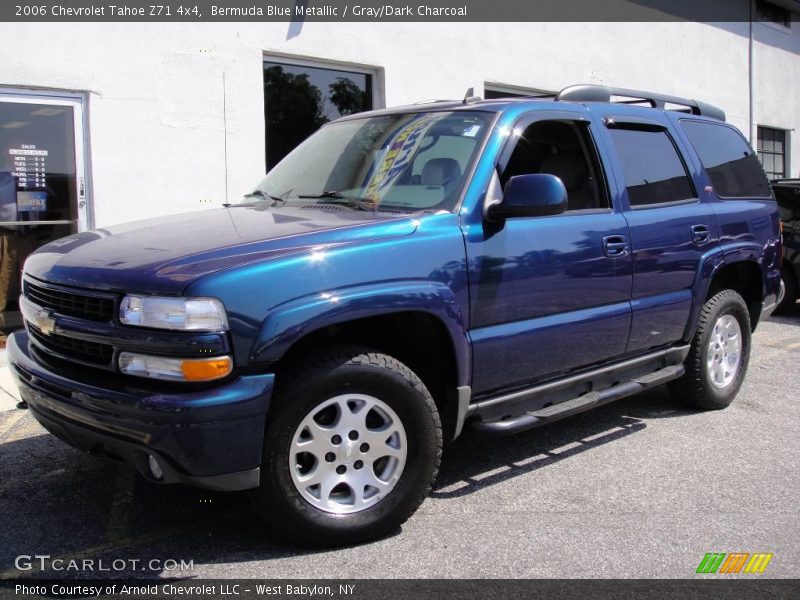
(577, 405)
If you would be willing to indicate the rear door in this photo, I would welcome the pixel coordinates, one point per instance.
(670, 226)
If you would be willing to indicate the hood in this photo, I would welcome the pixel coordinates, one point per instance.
(164, 255)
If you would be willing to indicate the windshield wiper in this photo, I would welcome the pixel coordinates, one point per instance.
(334, 197)
(265, 196)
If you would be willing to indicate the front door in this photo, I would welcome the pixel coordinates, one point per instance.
(550, 295)
(43, 183)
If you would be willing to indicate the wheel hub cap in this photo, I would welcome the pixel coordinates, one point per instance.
(348, 453)
(724, 352)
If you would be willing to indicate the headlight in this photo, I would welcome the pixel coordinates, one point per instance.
(175, 369)
(188, 314)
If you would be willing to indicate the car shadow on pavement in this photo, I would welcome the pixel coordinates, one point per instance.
(59, 502)
(474, 462)
(789, 315)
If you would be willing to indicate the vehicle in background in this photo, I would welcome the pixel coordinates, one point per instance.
(787, 193)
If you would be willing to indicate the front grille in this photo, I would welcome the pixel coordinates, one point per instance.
(72, 348)
(70, 304)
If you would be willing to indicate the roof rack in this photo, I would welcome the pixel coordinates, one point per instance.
(602, 93)
(434, 101)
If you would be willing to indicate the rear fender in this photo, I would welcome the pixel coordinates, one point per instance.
(710, 265)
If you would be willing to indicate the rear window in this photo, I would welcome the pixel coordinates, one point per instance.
(654, 172)
(729, 161)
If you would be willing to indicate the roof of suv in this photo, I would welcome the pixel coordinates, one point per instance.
(572, 94)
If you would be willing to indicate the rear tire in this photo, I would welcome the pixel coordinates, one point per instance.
(719, 354)
(352, 447)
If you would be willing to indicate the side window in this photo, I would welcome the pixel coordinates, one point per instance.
(564, 149)
(654, 171)
(729, 161)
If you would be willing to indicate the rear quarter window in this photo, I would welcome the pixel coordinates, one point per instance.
(728, 159)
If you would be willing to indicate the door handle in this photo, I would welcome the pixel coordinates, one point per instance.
(700, 234)
(615, 246)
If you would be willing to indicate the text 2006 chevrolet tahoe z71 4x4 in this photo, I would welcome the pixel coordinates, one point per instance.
(400, 276)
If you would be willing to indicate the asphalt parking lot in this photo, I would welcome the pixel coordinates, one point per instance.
(640, 488)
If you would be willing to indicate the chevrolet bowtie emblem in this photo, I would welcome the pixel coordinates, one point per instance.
(44, 322)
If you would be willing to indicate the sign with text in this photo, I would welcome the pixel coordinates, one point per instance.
(376, 11)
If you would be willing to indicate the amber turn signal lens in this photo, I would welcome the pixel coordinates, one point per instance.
(206, 369)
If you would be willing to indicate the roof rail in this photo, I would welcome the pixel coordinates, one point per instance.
(434, 101)
(602, 93)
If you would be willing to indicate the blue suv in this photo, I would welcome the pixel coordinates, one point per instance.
(401, 276)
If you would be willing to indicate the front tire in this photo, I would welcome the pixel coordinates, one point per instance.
(351, 450)
(719, 355)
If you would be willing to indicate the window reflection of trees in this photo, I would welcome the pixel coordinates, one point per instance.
(294, 107)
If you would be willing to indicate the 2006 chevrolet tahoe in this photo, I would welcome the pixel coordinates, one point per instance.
(402, 275)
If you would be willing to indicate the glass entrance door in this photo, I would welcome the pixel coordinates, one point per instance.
(43, 193)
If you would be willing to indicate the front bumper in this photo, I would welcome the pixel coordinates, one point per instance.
(209, 438)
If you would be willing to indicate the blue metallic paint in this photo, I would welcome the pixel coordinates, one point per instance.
(286, 324)
(434, 253)
(521, 300)
(527, 273)
(163, 256)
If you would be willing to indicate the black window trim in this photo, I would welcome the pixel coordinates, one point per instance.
(705, 170)
(633, 123)
(653, 205)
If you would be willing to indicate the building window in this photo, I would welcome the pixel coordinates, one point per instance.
(299, 99)
(772, 151)
(771, 13)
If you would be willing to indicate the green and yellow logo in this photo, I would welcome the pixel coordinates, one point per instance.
(736, 562)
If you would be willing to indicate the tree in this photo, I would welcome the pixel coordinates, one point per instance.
(347, 96)
(293, 110)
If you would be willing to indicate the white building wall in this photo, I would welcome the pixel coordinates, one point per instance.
(776, 79)
(156, 102)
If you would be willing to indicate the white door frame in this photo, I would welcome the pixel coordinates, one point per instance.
(79, 103)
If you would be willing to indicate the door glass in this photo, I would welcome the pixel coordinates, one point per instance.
(654, 171)
(39, 187)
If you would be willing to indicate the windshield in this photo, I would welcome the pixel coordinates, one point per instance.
(399, 162)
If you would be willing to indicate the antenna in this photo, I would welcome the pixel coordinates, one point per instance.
(225, 132)
(470, 96)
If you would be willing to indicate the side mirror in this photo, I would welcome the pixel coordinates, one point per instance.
(533, 195)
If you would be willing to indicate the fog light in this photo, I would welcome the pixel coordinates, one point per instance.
(155, 468)
(175, 369)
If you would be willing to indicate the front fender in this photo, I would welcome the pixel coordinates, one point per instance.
(287, 323)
